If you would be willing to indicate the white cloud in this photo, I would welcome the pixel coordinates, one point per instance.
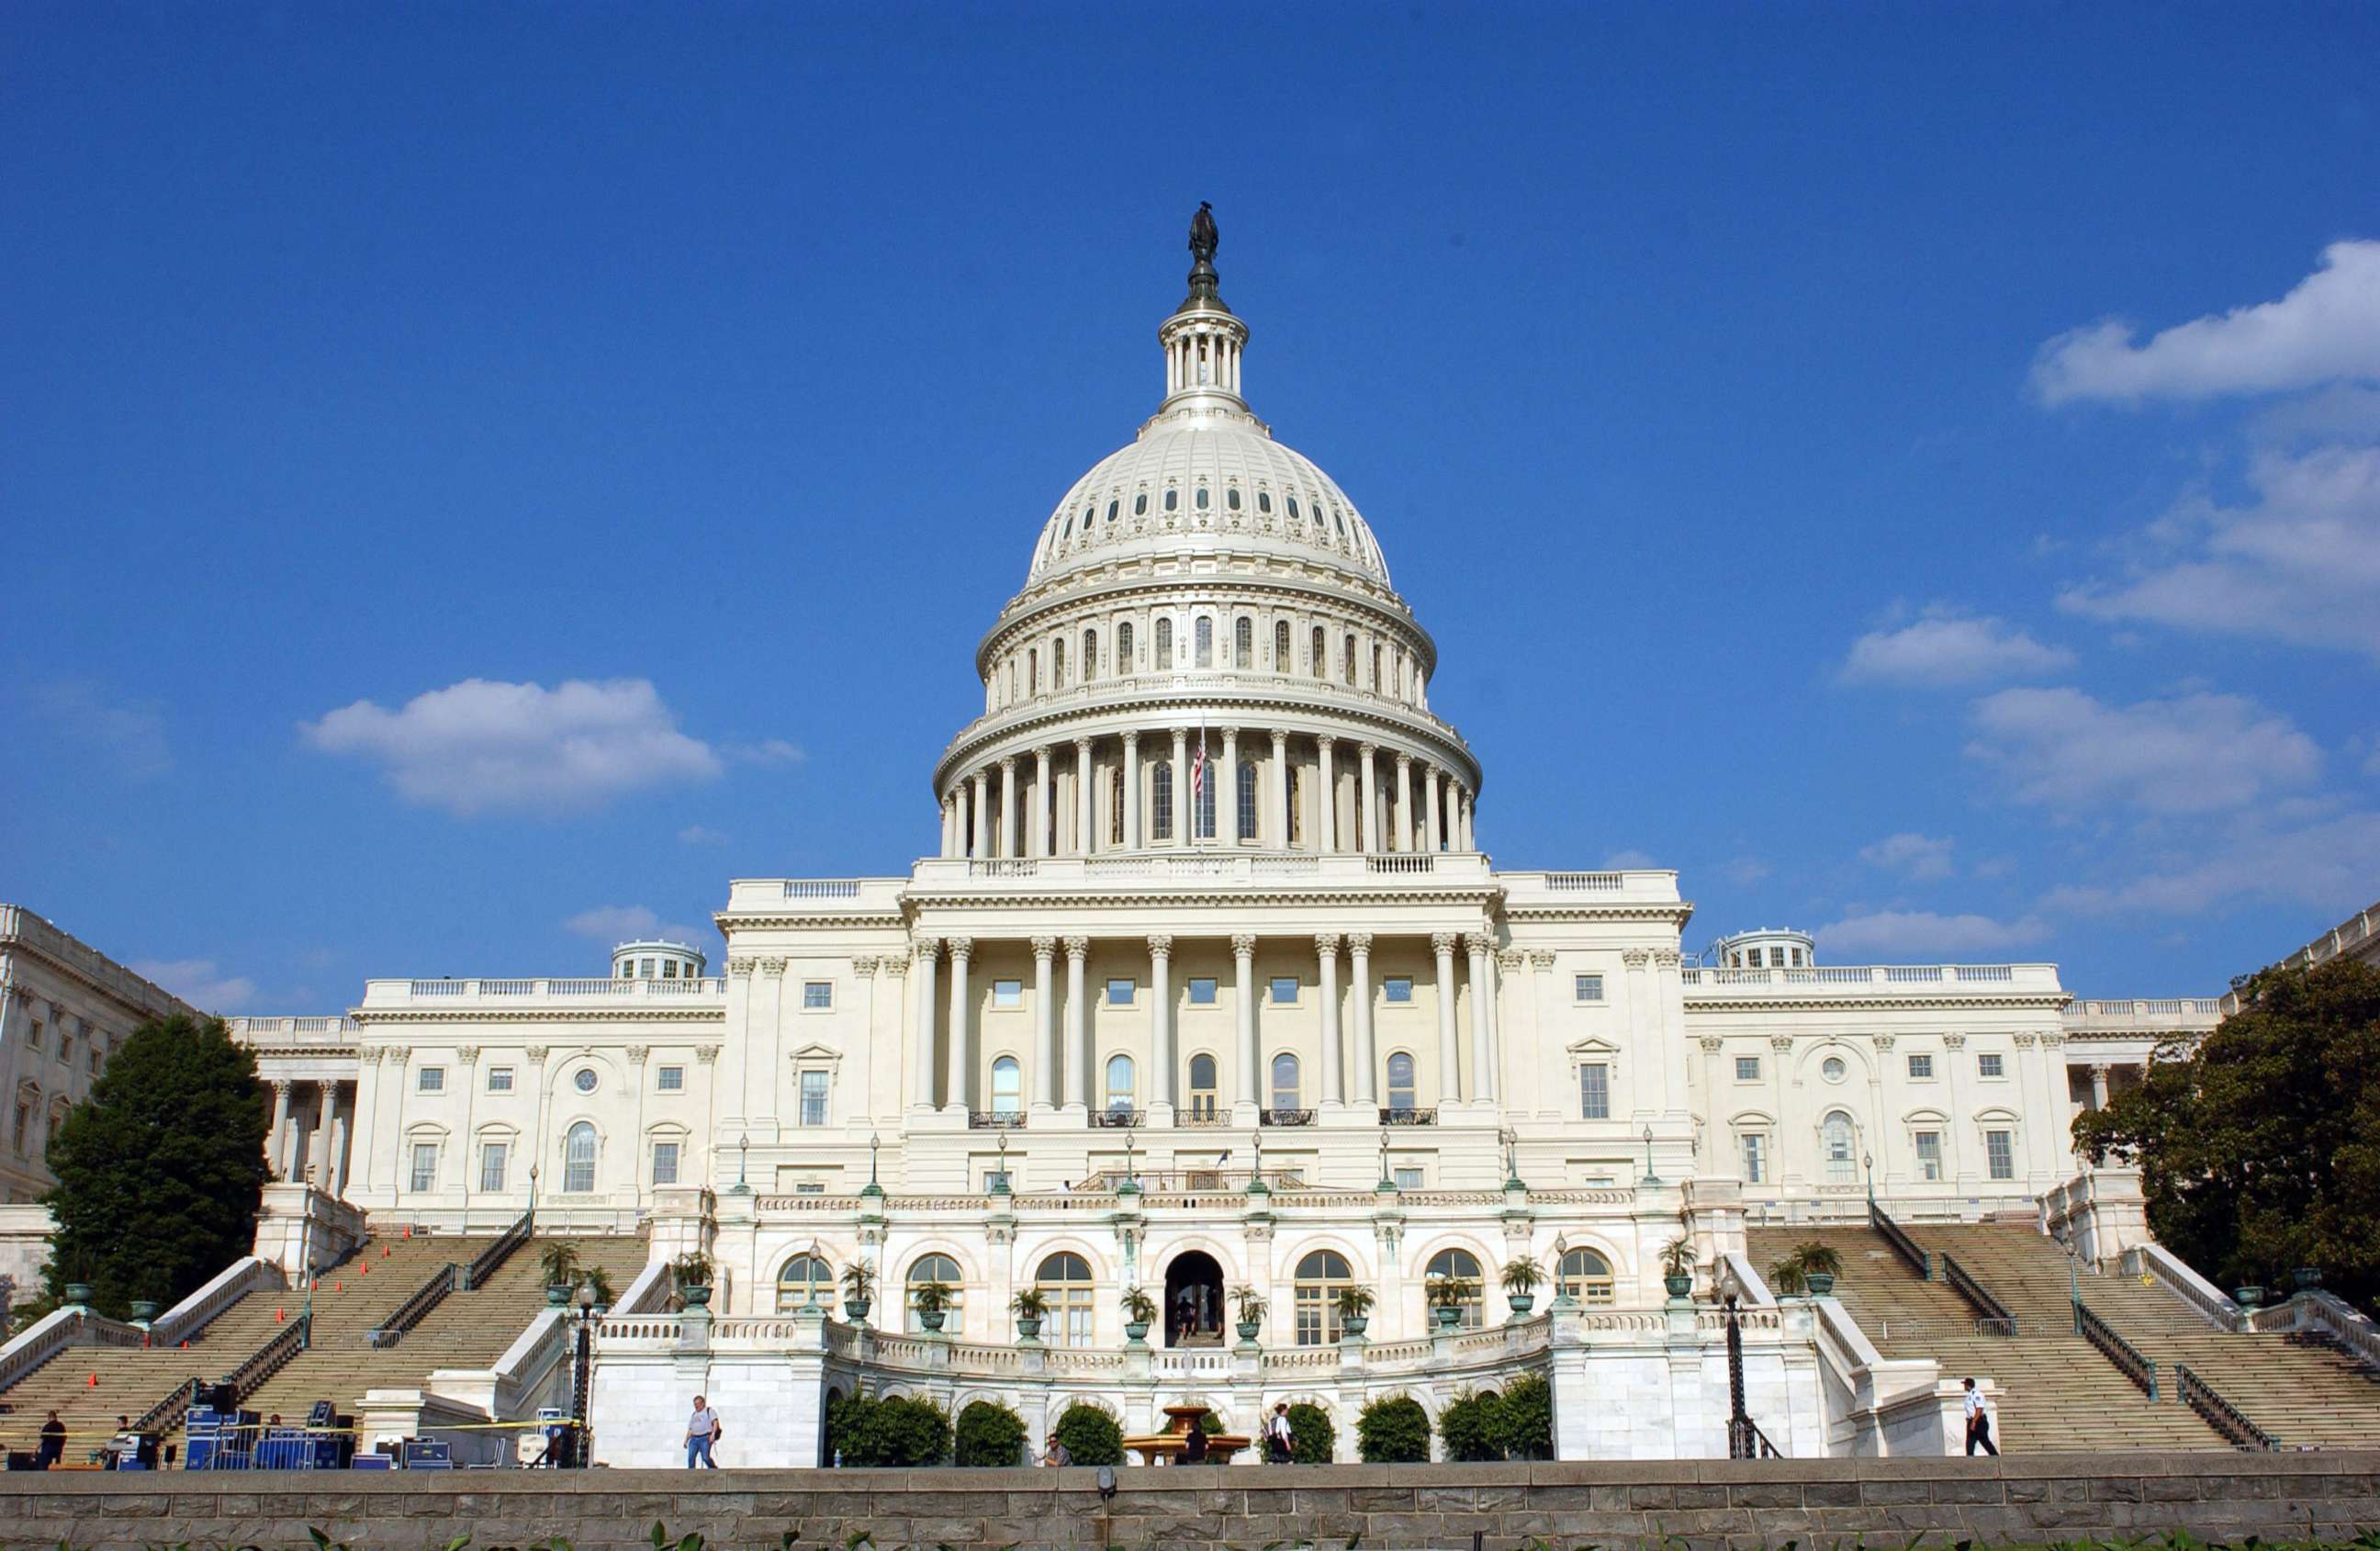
(1922, 933)
(767, 751)
(482, 744)
(1620, 861)
(2325, 330)
(2194, 753)
(198, 982)
(1944, 648)
(2327, 865)
(1911, 855)
(1745, 871)
(699, 834)
(130, 734)
(613, 923)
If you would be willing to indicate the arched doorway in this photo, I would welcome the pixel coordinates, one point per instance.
(1194, 1300)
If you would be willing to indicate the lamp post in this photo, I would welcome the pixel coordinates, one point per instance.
(1650, 1177)
(1562, 1300)
(582, 1377)
(1131, 1179)
(1512, 1139)
(743, 1154)
(1867, 1161)
(874, 1142)
(1387, 1181)
(999, 1180)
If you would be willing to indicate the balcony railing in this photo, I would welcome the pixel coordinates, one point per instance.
(1406, 1114)
(1819, 980)
(1115, 1118)
(1286, 1117)
(1202, 1117)
(996, 1120)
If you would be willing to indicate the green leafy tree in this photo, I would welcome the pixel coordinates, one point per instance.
(160, 1169)
(989, 1434)
(1312, 1440)
(1469, 1425)
(2259, 1151)
(1393, 1430)
(1091, 1434)
(1525, 1419)
(900, 1432)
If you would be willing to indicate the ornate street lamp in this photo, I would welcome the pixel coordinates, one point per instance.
(999, 1180)
(1386, 1182)
(1867, 1161)
(743, 1152)
(1650, 1177)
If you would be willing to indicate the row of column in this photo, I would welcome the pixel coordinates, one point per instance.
(316, 1150)
(1076, 1060)
(976, 823)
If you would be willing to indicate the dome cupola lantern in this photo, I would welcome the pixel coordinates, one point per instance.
(1203, 341)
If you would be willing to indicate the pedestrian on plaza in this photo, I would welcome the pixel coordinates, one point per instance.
(702, 1430)
(53, 1442)
(1277, 1434)
(1979, 1422)
(1056, 1453)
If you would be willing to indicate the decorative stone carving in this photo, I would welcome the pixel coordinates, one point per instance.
(1881, 1041)
(1160, 946)
(962, 949)
(1359, 944)
(1510, 960)
(1243, 945)
(864, 966)
(1712, 1044)
(738, 964)
(1954, 1041)
(2025, 1041)
(1044, 949)
(897, 966)
(1078, 948)
(1635, 958)
(1444, 943)
(773, 967)
(1541, 962)
(706, 1054)
(538, 1053)
(1326, 944)
(1780, 1041)
(467, 1054)
(637, 1054)
(1668, 958)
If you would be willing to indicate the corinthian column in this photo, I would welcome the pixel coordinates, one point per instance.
(1182, 814)
(1244, 967)
(1131, 790)
(1037, 837)
(921, 986)
(1006, 846)
(1045, 1025)
(1402, 832)
(1450, 1058)
(1083, 791)
(1278, 788)
(1227, 793)
(1326, 801)
(1359, 989)
(955, 1080)
(1161, 1020)
(1371, 828)
(982, 814)
(1078, 1038)
(1326, 950)
(1429, 783)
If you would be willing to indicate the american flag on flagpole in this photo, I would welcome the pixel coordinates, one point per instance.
(1198, 777)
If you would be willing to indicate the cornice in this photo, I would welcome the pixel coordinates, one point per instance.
(2049, 1002)
(1021, 619)
(1476, 898)
(524, 1015)
(884, 920)
(1670, 912)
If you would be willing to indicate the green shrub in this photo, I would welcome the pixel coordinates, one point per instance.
(1091, 1434)
(1469, 1424)
(1393, 1430)
(899, 1433)
(989, 1434)
(1524, 1420)
(1311, 1436)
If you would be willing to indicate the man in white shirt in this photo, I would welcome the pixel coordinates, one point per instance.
(701, 1432)
(1277, 1435)
(1979, 1422)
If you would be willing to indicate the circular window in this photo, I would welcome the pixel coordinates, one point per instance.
(1832, 1069)
(585, 1081)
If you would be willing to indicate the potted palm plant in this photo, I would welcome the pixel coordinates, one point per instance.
(1447, 1297)
(1354, 1308)
(1678, 1263)
(1030, 1305)
(932, 1302)
(558, 1262)
(858, 1290)
(1520, 1276)
(1139, 1312)
(691, 1272)
(1251, 1307)
(1821, 1264)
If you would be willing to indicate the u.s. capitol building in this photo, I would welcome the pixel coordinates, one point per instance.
(1208, 982)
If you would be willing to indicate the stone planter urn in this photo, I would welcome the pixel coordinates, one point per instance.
(1028, 1325)
(2248, 1297)
(1136, 1331)
(79, 1294)
(1522, 1304)
(2308, 1278)
(1449, 1315)
(557, 1295)
(1821, 1284)
(929, 1319)
(1679, 1286)
(1354, 1324)
(144, 1311)
(855, 1309)
(696, 1297)
(1249, 1328)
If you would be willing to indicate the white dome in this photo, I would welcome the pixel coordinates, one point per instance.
(1230, 486)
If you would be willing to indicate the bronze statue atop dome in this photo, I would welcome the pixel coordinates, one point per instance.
(1202, 234)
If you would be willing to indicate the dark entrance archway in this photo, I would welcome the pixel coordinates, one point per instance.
(1194, 1300)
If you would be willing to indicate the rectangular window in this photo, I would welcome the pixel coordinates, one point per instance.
(1119, 993)
(1776, 958)
(1998, 1147)
(1397, 988)
(1747, 1069)
(1008, 993)
(431, 1079)
(1755, 1159)
(817, 995)
(1929, 1155)
(66, 1049)
(644, 969)
(1408, 1179)
(1991, 1065)
(500, 1079)
(814, 1098)
(670, 1079)
(33, 1039)
(425, 1165)
(492, 1158)
(669, 969)
(1594, 1091)
(1587, 987)
(1921, 1068)
(664, 1163)
(1284, 990)
(809, 1187)
(1202, 991)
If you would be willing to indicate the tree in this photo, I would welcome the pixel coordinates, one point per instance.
(1091, 1434)
(160, 1169)
(900, 1432)
(1312, 1440)
(1469, 1424)
(1393, 1430)
(1525, 1419)
(989, 1434)
(2259, 1151)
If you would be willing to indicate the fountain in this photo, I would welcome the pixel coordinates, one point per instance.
(1166, 1447)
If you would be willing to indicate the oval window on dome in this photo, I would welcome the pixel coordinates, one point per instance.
(1070, 529)
(1088, 513)
(1337, 517)
(1111, 510)
(1293, 508)
(1140, 505)
(1264, 502)
(1172, 498)
(1202, 498)
(1231, 498)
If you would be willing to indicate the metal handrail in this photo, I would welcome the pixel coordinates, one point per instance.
(1746, 1441)
(490, 1260)
(426, 1297)
(245, 1378)
(995, 1120)
(1408, 1115)
(2127, 1357)
(1116, 1118)
(2220, 1414)
(1286, 1117)
(1996, 1320)
(1897, 1237)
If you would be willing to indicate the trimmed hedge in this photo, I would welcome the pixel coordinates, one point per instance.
(1469, 1424)
(1312, 1440)
(1524, 1420)
(989, 1434)
(1091, 1434)
(1393, 1430)
(900, 1432)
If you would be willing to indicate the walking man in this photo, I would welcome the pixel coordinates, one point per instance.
(701, 1432)
(1979, 1422)
(1277, 1434)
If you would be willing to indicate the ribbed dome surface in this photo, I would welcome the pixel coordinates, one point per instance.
(1230, 485)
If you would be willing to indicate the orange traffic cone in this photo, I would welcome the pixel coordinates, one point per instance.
(338, 1286)
(409, 1230)
(280, 1315)
(95, 1381)
(383, 1249)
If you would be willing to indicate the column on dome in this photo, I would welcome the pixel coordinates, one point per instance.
(1449, 1060)
(1045, 1025)
(1468, 843)
(943, 808)
(1084, 789)
(1007, 846)
(1401, 837)
(1038, 836)
(921, 1065)
(982, 832)
(1431, 815)
(1326, 948)
(1181, 783)
(1325, 800)
(1359, 986)
(1227, 790)
(1131, 790)
(1371, 828)
(956, 1083)
(1475, 944)
(1277, 789)
(1160, 1022)
(1244, 968)
(1078, 1035)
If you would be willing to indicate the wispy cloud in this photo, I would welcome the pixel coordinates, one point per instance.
(699, 834)
(199, 982)
(1911, 854)
(767, 751)
(1745, 871)
(2194, 753)
(1922, 932)
(1944, 648)
(1620, 861)
(130, 735)
(2326, 864)
(623, 923)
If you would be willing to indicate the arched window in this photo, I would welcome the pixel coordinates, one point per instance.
(1264, 502)
(1058, 664)
(1202, 816)
(1160, 789)
(1285, 1082)
(1244, 643)
(1172, 498)
(1463, 1266)
(1202, 498)
(1231, 498)
(1281, 646)
(1315, 1292)
(1247, 805)
(1090, 655)
(1165, 643)
(1347, 663)
(1293, 508)
(1140, 505)
(1202, 1087)
(578, 1159)
(1066, 1281)
(1203, 633)
(943, 1269)
(807, 1280)
(1007, 1085)
(1841, 1147)
(1585, 1276)
(1123, 647)
(1320, 663)
(1400, 1081)
(1112, 511)
(1119, 1085)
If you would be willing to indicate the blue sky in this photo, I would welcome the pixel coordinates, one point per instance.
(1915, 470)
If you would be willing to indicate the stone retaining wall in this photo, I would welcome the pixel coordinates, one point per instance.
(2024, 1500)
